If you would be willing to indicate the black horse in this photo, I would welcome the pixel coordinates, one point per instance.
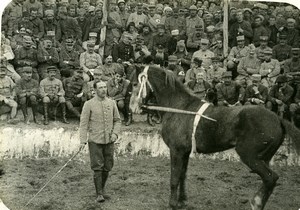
(255, 132)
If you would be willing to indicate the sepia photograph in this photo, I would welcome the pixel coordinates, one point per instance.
(150, 105)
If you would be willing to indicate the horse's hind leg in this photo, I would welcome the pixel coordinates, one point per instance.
(182, 189)
(269, 177)
(176, 171)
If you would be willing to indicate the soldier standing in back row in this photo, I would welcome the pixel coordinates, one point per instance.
(52, 92)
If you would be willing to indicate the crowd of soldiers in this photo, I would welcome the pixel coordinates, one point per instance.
(51, 53)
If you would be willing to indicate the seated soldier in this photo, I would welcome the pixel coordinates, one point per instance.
(199, 86)
(229, 92)
(117, 89)
(256, 93)
(175, 67)
(280, 96)
(7, 93)
(73, 87)
(89, 60)
(215, 72)
(68, 58)
(109, 68)
(295, 107)
(195, 68)
(27, 90)
(89, 91)
(52, 92)
(194, 39)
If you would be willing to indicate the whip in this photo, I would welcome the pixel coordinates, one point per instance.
(54, 176)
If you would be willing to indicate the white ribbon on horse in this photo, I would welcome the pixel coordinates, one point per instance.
(196, 122)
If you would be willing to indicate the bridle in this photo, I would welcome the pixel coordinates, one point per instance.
(143, 80)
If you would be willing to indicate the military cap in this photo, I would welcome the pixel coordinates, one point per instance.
(78, 69)
(240, 38)
(291, 20)
(91, 9)
(51, 68)
(121, 1)
(93, 34)
(151, 6)
(264, 38)
(175, 32)
(260, 16)
(120, 70)
(256, 77)
(296, 49)
(204, 41)
(181, 43)
(172, 58)
(282, 36)
(159, 6)
(268, 51)
(27, 69)
(248, 10)
(64, 1)
(139, 5)
(198, 27)
(210, 28)
(168, 9)
(215, 59)
(50, 33)
(262, 6)
(160, 25)
(227, 74)
(193, 7)
(27, 39)
(49, 12)
(281, 79)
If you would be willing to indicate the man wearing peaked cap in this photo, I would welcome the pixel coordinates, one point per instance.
(280, 96)
(229, 92)
(263, 45)
(282, 51)
(27, 91)
(259, 29)
(7, 93)
(269, 69)
(204, 53)
(175, 67)
(193, 20)
(292, 33)
(256, 93)
(292, 65)
(74, 91)
(137, 17)
(52, 93)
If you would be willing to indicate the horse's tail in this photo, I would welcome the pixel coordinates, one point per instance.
(293, 132)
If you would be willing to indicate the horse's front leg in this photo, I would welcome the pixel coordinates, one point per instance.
(176, 170)
(182, 186)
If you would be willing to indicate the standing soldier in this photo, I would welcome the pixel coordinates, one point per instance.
(193, 20)
(27, 90)
(38, 25)
(7, 93)
(100, 118)
(51, 24)
(52, 92)
(74, 91)
(26, 56)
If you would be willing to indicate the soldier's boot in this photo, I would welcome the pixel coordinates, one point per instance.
(98, 186)
(25, 113)
(64, 112)
(129, 119)
(46, 114)
(150, 120)
(55, 112)
(104, 179)
(35, 113)
(75, 112)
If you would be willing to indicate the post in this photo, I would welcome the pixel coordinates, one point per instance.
(225, 27)
(105, 11)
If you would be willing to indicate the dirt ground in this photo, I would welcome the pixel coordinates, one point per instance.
(140, 183)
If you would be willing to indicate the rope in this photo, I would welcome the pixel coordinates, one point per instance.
(53, 176)
(179, 111)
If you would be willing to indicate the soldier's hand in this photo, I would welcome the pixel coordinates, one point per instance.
(79, 95)
(279, 102)
(255, 88)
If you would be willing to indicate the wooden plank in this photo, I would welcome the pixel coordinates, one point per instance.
(225, 27)
(105, 10)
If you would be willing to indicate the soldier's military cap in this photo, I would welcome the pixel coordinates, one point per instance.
(51, 68)
(119, 70)
(227, 74)
(291, 20)
(296, 50)
(282, 36)
(50, 33)
(263, 38)
(204, 41)
(93, 34)
(27, 39)
(121, 1)
(160, 25)
(281, 79)
(181, 43)
(240, 38)
(210, 28)
(175, 32)
(78, 69)
(248, 10)
(215, 59)
(256, 77)
(49, 12)
(27, 69)
(193, 7)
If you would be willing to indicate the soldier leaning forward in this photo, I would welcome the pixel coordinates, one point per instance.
(7, 93)
(74, 91)
(27, 90)
(52, 92)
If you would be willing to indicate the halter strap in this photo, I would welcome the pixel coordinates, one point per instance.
(196, 122)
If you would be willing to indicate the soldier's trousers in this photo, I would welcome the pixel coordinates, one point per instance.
(101, 156)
